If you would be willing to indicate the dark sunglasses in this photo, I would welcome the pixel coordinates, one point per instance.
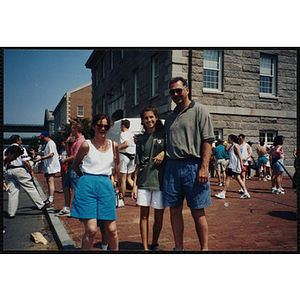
(177, 91)
(100, 126)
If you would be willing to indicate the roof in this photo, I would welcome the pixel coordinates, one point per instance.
(70, 92)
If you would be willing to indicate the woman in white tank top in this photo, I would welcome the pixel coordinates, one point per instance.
(234, 168)
(94, 197)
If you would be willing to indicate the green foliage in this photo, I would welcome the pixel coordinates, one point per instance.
(34, 143)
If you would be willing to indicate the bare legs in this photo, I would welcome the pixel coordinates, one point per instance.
(178, 226)
(144, 225)
(90, 226)
(51, 187)
(123, 178)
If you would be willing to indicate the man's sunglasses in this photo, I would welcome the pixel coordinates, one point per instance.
(177, 91)
(100, 126)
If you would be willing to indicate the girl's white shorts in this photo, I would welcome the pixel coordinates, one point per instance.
(150, 197)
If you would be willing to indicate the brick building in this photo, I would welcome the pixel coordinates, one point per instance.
(249, 91)
(76, 103)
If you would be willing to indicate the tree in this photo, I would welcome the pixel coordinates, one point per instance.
(34, 143)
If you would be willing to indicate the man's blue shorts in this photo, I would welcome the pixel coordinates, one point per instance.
(71, 178)
(181, 181)
(262, 160)
(94, 198)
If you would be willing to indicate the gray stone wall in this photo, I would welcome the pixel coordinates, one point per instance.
(240, 108)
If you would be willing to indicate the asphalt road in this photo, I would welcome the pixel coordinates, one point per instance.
(17, 231)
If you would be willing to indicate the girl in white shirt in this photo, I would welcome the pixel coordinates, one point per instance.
(234, 167)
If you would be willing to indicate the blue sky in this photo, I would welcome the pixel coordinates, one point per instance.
(35, 80)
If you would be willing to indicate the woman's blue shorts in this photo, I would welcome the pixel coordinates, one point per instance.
(277, 167)
(94, 198)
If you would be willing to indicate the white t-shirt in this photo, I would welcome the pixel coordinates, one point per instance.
(127, 136)
(51, 165)
(19, 161)
(244, 154)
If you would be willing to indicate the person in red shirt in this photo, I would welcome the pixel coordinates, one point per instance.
(72, 178)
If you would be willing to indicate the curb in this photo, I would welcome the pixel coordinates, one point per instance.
(60, 234)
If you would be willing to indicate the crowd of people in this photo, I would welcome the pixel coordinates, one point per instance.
(164, 166)
(238, 163)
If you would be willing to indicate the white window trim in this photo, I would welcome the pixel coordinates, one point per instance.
(80, 115)
(220, 75)
(274, 76)
(265, 137)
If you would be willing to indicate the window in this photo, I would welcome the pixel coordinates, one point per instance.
(103, 105)
(111, 60)
(136, 88)
(267, 137)
(267, 72)
(154, 91)
(96, 76)
(103, 69)
(80, 111)
(218, 134)
(122, 87)
(212, 70)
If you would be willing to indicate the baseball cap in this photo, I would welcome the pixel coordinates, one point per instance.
(44, 134)
(250, 143)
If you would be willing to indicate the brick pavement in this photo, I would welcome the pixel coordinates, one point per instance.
(265, 222)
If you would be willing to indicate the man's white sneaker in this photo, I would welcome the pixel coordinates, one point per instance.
(279, 191)
(220, 195)
(219, 184)
(64, 213)
(245, 196)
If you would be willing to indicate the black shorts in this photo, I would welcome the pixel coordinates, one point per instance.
(229, 172)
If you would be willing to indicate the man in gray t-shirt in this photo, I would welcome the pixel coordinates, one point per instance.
(189, 137)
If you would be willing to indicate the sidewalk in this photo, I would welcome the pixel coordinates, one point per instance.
(265, 222)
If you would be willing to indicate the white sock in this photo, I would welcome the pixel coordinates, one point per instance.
(51, 198)
(104, 247)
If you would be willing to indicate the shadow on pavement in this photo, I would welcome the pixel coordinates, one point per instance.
(286, 215)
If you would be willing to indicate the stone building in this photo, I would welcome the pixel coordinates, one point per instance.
(76, 103)
(249, 91)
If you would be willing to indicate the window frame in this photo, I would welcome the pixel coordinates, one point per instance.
(154, 76)
(219, 71)
(103, 104)
(78, 108)
(273, 76)
(218, 133)
(103, 69)
(264, 135)
(136, 88)
(111, 61)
